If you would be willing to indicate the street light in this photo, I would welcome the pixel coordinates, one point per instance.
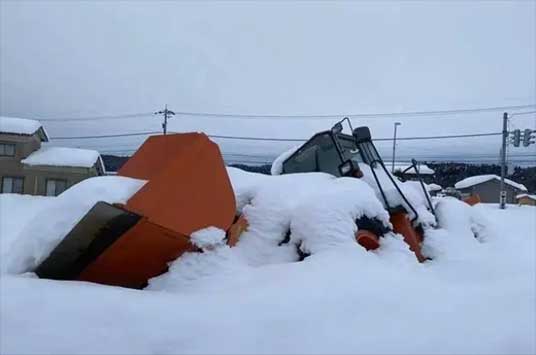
(396, 124)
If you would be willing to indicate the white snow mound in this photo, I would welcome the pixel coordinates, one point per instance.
(313, 213)
(59, 215)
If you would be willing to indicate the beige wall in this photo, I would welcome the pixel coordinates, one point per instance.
(526, 201)
(35, 177)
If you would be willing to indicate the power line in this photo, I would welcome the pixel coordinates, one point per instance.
(97, 118)
(294, 116)
(521, 113)
(362, 115)
(443, 137)
(106, 135)
(274, 139)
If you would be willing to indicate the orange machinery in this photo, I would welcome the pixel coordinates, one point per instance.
(187, 189)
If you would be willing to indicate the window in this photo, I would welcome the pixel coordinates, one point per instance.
(318, 154)
(7, 149)
(55, 187)
(12, 185)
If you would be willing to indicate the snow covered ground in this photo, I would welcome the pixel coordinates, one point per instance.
(477, 295)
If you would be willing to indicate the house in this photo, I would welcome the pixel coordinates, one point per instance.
(488, 188)
(407, 172)
(526, 199)
(29, 166)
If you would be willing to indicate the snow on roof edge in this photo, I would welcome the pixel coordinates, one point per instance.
(532, 197)
(479, 179)
(22, 126)
(65, 157)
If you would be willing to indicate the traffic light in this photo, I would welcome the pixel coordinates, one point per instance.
(528, 137)
(516, 137)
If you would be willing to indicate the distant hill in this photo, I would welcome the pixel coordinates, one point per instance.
(113, 162)
(446, 174)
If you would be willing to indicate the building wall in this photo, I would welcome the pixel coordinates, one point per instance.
(35, 177)
(489, 191)
(526, 201)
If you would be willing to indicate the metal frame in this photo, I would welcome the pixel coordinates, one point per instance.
(373, 158)
(418, 174)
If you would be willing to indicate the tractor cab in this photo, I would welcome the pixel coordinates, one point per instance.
(331, 152)
(341, 154)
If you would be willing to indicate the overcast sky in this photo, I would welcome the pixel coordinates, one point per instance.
(94, 58)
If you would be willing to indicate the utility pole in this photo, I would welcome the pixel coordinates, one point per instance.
(502, 196)
(167, 114)
(396, 124)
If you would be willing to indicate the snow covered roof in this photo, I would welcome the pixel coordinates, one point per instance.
(423, 169)
(434, 187)
(63, 156)
(479, 179)
(532, 197)
(22, 126)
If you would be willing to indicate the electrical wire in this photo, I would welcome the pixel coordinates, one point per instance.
(96, 118)
(274, 139)
(294, 116)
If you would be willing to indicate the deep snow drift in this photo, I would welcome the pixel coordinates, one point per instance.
(52, 218)
(477, 295)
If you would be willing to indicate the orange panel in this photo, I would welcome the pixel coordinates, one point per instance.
(402, 225)
(188, 187)
(144, 251)
(367, 239)
(157, 152)
(236, 230)
(472, 200)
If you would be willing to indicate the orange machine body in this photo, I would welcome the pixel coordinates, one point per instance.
(472, 200)
(141, 253)
(187, 189)
(402, 225)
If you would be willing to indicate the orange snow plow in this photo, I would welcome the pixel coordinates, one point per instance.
(187, 189)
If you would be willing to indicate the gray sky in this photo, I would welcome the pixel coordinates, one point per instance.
(94, 58)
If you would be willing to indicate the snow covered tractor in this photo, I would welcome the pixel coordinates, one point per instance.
(188, 189)
(342, 154)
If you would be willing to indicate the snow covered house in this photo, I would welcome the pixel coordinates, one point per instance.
(408, 172)
(526, 199)
(487, 187)
(28, 166)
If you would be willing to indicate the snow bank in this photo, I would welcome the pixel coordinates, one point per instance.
(16, 212)
(62, 156)
(312, 213)
(58, 215)
(476, 296)
(461, 230)
(478, 179)
(208, 238)
(18, 125)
